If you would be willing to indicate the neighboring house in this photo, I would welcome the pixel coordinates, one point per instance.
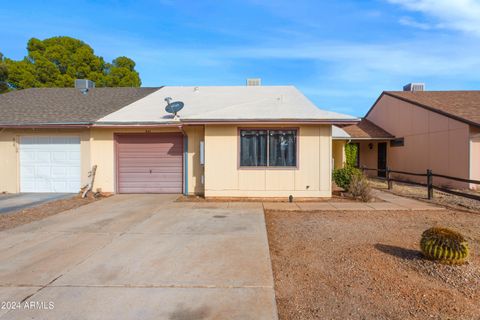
(420, 130)
(251, 141)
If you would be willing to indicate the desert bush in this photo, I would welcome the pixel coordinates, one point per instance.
(359, 188)
(444, 245)
(343, 176)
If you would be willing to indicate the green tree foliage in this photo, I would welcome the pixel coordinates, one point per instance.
(58, 61)
(3, 75)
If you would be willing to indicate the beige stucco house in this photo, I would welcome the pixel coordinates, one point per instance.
(245, 141)
(418, 130)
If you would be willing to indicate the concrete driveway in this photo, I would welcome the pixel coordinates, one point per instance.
(19, 201)
(140, 257)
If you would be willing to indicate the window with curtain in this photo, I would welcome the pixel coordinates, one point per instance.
(282, 148)
(272, 148)
(253, 148)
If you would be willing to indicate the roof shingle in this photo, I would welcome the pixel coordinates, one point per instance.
(366, 130)
(461, 105)
(40, 106)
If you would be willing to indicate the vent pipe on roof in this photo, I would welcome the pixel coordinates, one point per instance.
(254, 82)
(414, 87)
(84, 85)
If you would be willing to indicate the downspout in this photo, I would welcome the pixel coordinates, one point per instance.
(185, 160)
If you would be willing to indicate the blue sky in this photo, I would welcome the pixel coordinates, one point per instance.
(341, 54)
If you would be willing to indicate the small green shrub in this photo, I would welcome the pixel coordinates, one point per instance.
(359, 188)
(343, 176)
(444, 245)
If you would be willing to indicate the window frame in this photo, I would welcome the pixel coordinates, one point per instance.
(268, 167)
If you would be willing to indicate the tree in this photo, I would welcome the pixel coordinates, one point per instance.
(58, 61)
(3, 75)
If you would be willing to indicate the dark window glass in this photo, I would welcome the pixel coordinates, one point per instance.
(253, 148)
(399, 142)
(282, 148)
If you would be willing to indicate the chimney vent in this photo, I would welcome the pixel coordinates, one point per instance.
(412, 87)
(84, 85)
(252, 82)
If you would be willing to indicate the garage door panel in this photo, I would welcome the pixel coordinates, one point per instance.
(57, 172)
(27, 156)
(59, 185)
(28, 186)
(162, 185)
(43, 172)
(43, 185)
(151, 177)
(59, 156)
(151, 154)
(133, 170)
(49, 164)
(160, 144)
(27, 171)
(43, 156)
(151, 163)
(144, 189)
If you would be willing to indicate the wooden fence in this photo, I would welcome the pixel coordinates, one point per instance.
(429, 181)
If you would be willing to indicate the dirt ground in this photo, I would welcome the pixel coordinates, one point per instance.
(366, 265)
(17, 218)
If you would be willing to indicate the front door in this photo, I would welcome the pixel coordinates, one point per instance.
(382, 159)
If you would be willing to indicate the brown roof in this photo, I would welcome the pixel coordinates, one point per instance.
(366, 130)
(460, 105)
(42, 106)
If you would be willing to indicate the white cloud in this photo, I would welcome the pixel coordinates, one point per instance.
(462, 15)
(408, 21)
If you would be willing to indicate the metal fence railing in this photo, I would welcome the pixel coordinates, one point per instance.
(429, 183)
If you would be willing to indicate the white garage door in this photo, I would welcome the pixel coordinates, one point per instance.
(49, 164)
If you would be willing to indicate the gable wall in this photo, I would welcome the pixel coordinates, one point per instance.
(431, 140)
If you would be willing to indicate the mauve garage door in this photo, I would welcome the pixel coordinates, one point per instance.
(149, 163)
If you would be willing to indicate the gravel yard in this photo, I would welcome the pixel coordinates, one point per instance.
(420, 193)
(366, 265)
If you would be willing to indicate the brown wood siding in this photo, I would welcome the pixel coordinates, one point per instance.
(149, 163)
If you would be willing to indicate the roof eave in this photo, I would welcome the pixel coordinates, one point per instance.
(362, 139)
(46, 125)
(111, 124)
(373, 139)
(115, 124)
(277, 121)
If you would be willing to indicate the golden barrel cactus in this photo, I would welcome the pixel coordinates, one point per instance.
(444, 245)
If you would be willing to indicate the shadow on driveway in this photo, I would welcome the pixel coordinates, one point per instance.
(14, 202)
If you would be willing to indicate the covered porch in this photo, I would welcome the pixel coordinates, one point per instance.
(362, 145)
